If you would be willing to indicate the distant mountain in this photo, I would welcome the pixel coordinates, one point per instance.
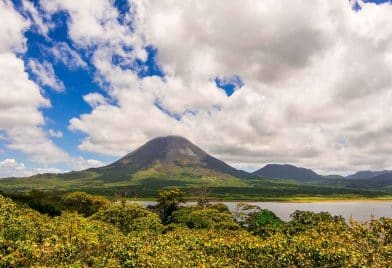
(287, 172)
(360, 175)
(380, 181)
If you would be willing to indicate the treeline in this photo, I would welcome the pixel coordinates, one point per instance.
(81, 230)
(266, 189)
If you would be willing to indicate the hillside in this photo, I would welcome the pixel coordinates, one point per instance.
(367, 174)
(381, 181)
(287, 172)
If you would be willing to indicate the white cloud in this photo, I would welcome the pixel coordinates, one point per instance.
(55, 134)
(45, 74)
(20, 117)
(62, 52)
(35, 17)
(79, 163)
(317, 91)
(11, 168)
(11, 29)
(96, 22)
(95, 99)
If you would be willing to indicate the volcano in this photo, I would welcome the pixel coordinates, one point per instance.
(168, 154)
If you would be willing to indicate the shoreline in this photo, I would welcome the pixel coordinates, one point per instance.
(278, 200)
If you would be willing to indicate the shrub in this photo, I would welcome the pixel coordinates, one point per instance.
(196, 218)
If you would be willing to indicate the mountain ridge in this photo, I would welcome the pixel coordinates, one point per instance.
(287, 171)
(367, 174)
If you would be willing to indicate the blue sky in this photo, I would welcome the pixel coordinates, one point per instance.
(113, 81)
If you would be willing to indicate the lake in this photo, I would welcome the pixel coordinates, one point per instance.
(358, 210)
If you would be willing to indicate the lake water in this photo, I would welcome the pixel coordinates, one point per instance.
(358, 210)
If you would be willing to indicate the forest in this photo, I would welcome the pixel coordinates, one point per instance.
(39, 229)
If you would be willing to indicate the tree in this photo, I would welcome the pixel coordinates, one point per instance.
(169, 200)
(83, 203)
(202, 194)
(44, 202)
(303, 220)
(129, 217)
(265, 223)
(204, 218)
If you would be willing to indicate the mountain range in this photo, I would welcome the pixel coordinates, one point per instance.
(174, 160)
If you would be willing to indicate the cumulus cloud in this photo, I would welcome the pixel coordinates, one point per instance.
(45, 74)
(80, 163)
(11, 29)
(95, 99)
(55, 134)
(11, 168)
(317, 85)
(20, 117)
(96, 23)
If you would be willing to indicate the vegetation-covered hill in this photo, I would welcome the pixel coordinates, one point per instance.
(287, 172)
(367, 174)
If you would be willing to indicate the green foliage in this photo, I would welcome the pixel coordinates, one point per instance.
(83, 203)
(28, 238)
(49, 203)
(129, 218)
(204, 218)
(147, 183)
(228, 248)
(303, 220)
(219, 207)
(265, 223)
(169, 201)
(125, 235)
(262, 222)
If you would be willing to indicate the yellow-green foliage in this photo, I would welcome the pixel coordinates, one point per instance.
(320, 246)
(204, 218)
(129, 218)
(84, 203)
(29, 239)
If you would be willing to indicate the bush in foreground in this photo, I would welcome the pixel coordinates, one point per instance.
(117, 236)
